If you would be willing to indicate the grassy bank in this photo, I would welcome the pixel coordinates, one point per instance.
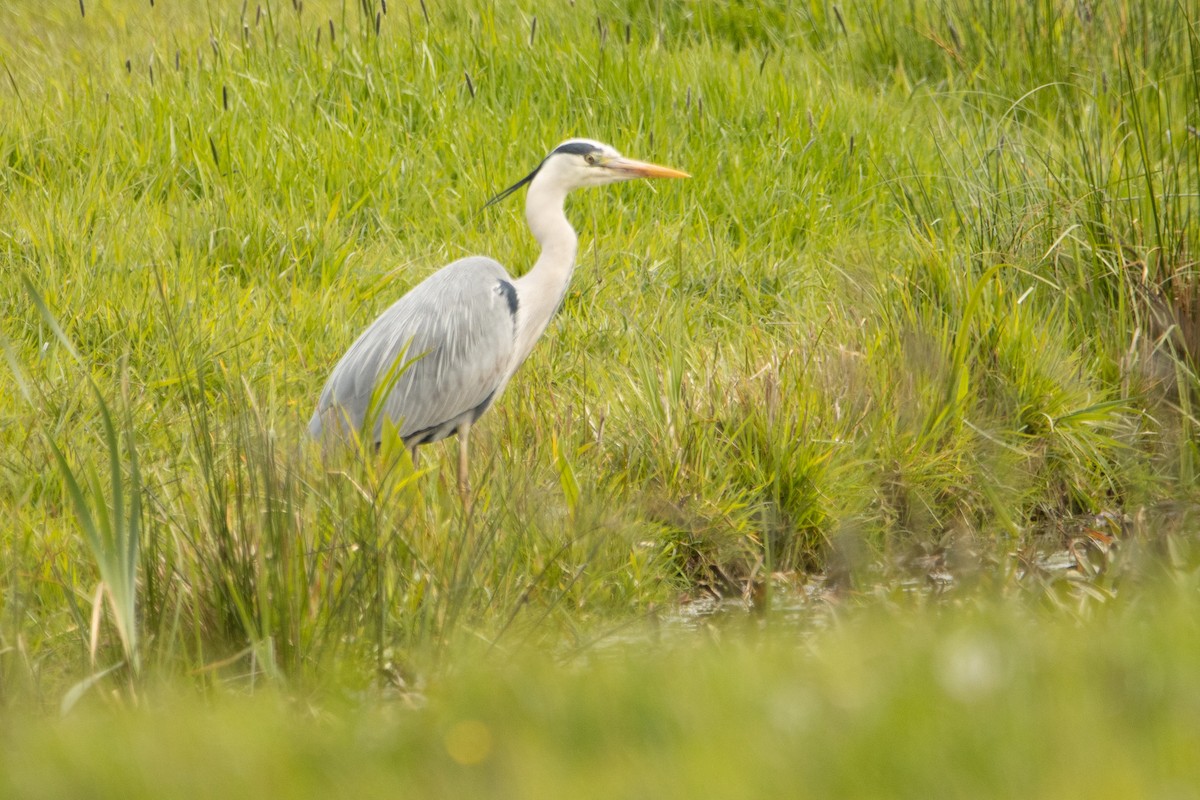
(927, 308)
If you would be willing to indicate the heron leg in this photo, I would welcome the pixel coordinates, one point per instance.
(416, 458)
(463, 485)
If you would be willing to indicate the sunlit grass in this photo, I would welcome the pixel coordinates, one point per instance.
(929, 298)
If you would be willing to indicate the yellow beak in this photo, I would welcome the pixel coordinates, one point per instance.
(643, 169)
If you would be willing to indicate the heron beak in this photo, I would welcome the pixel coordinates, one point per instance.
(642, 169)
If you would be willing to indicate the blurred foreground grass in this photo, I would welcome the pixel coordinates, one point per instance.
(907, 696)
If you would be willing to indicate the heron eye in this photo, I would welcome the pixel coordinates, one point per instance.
(590, 158)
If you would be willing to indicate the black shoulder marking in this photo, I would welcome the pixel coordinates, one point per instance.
(576, 148)
(510, 294)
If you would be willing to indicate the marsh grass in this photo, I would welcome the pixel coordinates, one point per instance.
(932, 283)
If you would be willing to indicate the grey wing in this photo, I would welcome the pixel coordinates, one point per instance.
(457, 329)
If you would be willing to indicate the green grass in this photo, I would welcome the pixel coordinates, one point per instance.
(929, 298)
(907, 699)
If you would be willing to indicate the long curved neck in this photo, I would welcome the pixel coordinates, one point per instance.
(541, 290)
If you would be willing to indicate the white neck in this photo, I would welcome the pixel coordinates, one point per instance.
(541, 290)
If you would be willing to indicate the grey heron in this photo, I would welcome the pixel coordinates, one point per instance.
(464, 330)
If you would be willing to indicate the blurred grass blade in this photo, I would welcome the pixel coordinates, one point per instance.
(566, 476)
(76, 692)
(111, 530)
(18, 373)
(47, 317)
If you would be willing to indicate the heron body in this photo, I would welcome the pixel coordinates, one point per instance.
(443, 353)
(457, 328)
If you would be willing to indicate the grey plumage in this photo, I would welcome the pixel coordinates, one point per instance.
(456, 328)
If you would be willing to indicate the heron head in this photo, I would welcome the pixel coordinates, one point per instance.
(578, 163)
